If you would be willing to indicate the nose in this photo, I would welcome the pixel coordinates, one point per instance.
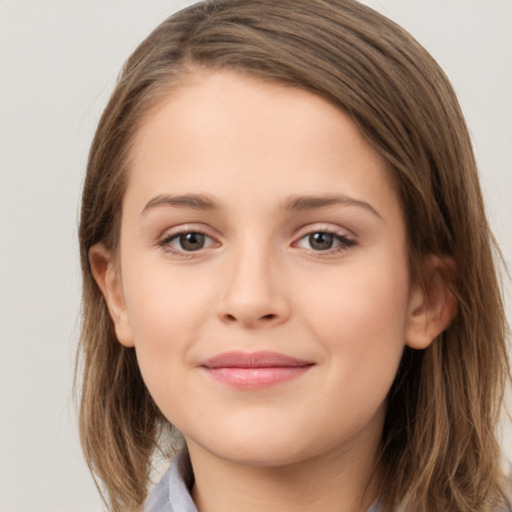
(253, 295)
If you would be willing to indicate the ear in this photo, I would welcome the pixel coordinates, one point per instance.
(108, 277)
(432, 308)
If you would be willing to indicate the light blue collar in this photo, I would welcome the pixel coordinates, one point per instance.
(172, 492)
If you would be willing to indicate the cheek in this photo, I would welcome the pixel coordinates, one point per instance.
(164, 303)
(361, 325)
(166, 310)
(360, 319)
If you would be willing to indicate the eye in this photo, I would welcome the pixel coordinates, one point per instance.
(325, 241)
(189, 241)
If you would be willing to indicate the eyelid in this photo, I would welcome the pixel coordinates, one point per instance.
(171, 234)
(191, 227)
(325, 228)
(346, 238)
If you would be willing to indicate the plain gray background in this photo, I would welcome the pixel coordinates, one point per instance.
(58, 63)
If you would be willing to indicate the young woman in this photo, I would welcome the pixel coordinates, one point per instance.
(287, 264)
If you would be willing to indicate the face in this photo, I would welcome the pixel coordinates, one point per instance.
(262, 275)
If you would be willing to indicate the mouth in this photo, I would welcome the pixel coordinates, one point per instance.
(255, 370)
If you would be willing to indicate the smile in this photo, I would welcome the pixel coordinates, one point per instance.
(255, 370)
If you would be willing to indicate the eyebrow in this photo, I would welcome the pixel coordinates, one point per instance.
(205, 202)
(303, 203)
(194, 201)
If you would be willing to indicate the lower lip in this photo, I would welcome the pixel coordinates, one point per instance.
(256, 378)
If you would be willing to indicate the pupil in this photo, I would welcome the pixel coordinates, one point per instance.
(192, 241)
(321, 241)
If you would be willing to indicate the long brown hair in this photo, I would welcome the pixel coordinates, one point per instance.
(438, 449)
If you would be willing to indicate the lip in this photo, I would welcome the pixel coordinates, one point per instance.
(255, 370)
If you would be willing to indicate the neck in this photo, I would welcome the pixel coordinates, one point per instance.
(333, 482)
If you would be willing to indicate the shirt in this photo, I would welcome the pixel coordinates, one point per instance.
(172, 494)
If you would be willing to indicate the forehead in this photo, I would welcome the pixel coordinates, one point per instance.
(247, 140)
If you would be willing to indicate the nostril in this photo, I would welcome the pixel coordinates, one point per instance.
(233, 318)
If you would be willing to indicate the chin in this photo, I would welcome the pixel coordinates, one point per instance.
(263, 455)
(262, 447)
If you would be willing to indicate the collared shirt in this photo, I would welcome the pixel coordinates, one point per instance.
(172, 492)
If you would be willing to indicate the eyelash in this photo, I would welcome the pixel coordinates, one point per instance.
(165, 242)
(345, 243)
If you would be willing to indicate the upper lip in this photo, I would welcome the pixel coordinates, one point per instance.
(263, 359)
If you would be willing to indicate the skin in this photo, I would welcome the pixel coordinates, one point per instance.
(259, 283)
